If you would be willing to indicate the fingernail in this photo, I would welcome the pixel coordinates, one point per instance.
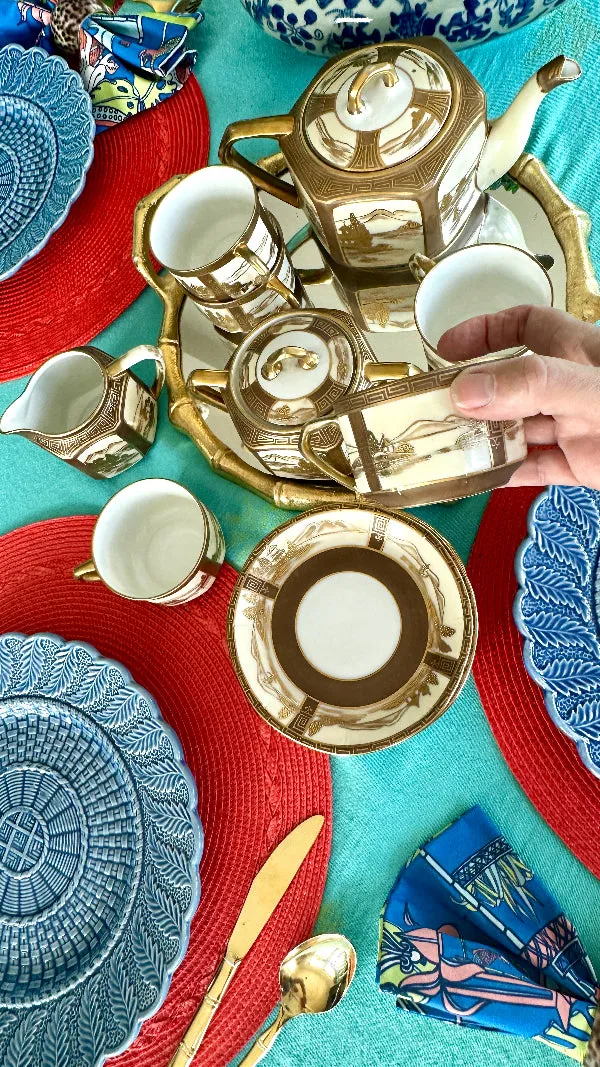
(473, 389)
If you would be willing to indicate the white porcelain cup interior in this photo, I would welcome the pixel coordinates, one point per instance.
(61, 397)
(202, 218)
(149, 538)
(478, 280)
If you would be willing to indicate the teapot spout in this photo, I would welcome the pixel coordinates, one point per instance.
(508, 135)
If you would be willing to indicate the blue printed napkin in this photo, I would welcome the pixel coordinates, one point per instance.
(128, 63)
(470, 935)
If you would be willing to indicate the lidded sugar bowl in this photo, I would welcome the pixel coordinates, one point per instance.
(390, 151)
(290, 369)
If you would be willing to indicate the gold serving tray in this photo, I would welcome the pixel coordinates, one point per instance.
(559, 224)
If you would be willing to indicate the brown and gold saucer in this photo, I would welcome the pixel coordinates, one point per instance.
(351, 629)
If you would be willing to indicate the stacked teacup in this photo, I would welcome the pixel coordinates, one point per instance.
(225, 249)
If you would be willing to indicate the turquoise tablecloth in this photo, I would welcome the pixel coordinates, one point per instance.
(386, 803)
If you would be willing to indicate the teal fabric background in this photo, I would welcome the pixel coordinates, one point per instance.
(387, 803)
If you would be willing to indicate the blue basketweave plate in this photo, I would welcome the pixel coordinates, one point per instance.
(46, 146)
(99, 850)
(558, 608)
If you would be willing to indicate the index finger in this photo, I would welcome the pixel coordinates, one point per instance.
(544, 330)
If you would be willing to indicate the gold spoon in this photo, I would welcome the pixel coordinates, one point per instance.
(313, 978)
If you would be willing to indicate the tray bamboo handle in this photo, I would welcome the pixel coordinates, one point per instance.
(275, 126)
(571, 225)
(195, 1032)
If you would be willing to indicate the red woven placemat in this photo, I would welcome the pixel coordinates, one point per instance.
(544, 761)
(84, 277)
(253, 784)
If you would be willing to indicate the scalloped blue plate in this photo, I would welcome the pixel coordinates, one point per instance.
(46, 147)
(99, 850)
(557, 610)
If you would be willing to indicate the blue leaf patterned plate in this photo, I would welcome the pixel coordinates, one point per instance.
(46, 146)
(558, 610)
(99, 850)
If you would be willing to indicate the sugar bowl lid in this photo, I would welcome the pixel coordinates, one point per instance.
(295, 366)
(368, 112)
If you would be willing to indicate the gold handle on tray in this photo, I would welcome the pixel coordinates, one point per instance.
(386, 71)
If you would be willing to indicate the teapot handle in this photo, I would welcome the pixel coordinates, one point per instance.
(275, 127)
(138, 355)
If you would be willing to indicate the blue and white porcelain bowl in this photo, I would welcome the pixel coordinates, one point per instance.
(46, 146)
(558, 611)
(99, 850)
(324, 27)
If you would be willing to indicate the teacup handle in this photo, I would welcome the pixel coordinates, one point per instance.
(86, 572)
(138, 355)
(420, 265)
(320, 462)
(271, 280)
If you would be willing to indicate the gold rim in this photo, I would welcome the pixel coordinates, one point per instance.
(467, 653)
(458, 252)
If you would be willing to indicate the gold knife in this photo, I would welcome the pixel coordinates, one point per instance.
(267, 889)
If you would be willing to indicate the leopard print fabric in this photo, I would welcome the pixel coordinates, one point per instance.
(592, 1056)
(66, 20)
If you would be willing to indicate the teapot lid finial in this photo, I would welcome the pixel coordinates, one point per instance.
(378, 107)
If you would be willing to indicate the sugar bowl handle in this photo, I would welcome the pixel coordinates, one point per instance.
(318, 461)
(389, 372)
(386, 71)
(206, 386)
(138, 355)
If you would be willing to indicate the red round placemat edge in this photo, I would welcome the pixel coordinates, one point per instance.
(26, 337)
(298, 785)
(544, 760)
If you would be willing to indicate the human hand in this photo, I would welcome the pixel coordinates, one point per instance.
(556, 393)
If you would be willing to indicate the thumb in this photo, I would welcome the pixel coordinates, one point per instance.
(525, 386)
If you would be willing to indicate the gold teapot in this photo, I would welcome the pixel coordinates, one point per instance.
(390, 151)
(290, 369)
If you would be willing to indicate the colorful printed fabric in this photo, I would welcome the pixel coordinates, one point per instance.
(470, 935)
(128, 63)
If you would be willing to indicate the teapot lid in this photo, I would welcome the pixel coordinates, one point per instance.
(295, 366)
(366, 113)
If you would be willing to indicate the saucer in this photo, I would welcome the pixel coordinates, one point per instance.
(46, 147)
(99, 850)
(557, 611)
(351, 629)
